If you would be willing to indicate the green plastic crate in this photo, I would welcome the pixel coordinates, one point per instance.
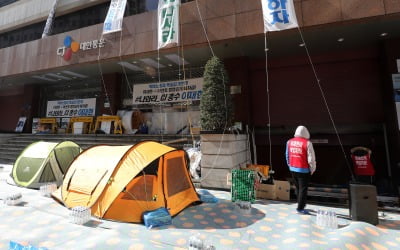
(242, 188)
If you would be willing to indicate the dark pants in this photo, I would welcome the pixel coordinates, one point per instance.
(301, 181)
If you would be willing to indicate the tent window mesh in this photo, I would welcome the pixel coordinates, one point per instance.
(47, 174)
(65, 156)
(151, 169)
(142, 189)
(28, 167)
(176, 177)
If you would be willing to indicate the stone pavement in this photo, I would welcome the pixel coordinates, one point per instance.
(42, 222)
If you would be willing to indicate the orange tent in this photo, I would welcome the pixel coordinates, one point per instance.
(122, 182)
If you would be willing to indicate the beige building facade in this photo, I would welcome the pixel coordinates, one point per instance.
(353, 45)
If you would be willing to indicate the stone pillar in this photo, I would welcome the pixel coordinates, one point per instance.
(239, 81)
(220, 154)
(390, 52)
(111, 94)
(29, 109)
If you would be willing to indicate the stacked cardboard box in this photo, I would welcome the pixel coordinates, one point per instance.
(266, 191)
(280, 190)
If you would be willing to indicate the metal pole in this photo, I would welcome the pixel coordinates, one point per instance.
(387, 150)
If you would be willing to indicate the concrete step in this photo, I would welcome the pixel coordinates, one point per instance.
(7, 160)
(9, 153)
(96, 138)
(11, 145)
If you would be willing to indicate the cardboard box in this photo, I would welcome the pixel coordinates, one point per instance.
(266, 191)
(262, 169)
(282, 190)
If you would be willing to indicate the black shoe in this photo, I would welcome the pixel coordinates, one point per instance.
(303, 211)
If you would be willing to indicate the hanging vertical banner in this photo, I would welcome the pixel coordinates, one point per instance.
(115, 15)
(168, 22)
(278, 15)
(50, 20)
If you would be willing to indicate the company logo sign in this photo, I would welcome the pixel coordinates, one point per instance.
(71, 46)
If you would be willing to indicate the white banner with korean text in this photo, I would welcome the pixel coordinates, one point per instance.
(168, 92)
(115, 16)
(278, 15)
(71, 108)
(168, 22)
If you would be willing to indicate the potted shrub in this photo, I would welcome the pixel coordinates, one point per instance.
(216, 104)
(221, 150)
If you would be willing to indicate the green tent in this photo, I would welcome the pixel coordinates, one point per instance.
(43, 162)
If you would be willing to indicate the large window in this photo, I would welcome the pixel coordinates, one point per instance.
(76, 20)
(6, 2)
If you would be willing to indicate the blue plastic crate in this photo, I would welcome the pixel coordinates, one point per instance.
(157, 218)
(17, 246)
(206, 196)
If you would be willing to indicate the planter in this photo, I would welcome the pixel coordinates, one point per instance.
(220, 154)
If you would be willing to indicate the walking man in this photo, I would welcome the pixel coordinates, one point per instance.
(300, 158)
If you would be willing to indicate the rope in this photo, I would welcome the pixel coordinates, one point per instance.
(181, 104)
(186, 104)
(123, 68)
(268, 99)
(225, 100)
(184, 78)
(183, 54)
(326, 104)
(204, 28)
(160, 105)
(145, 191)
(102, 78)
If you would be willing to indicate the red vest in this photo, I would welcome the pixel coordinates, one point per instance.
(363, 165)
(297, 151)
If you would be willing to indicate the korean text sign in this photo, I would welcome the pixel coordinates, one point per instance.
(168, 92)
(71, 108)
